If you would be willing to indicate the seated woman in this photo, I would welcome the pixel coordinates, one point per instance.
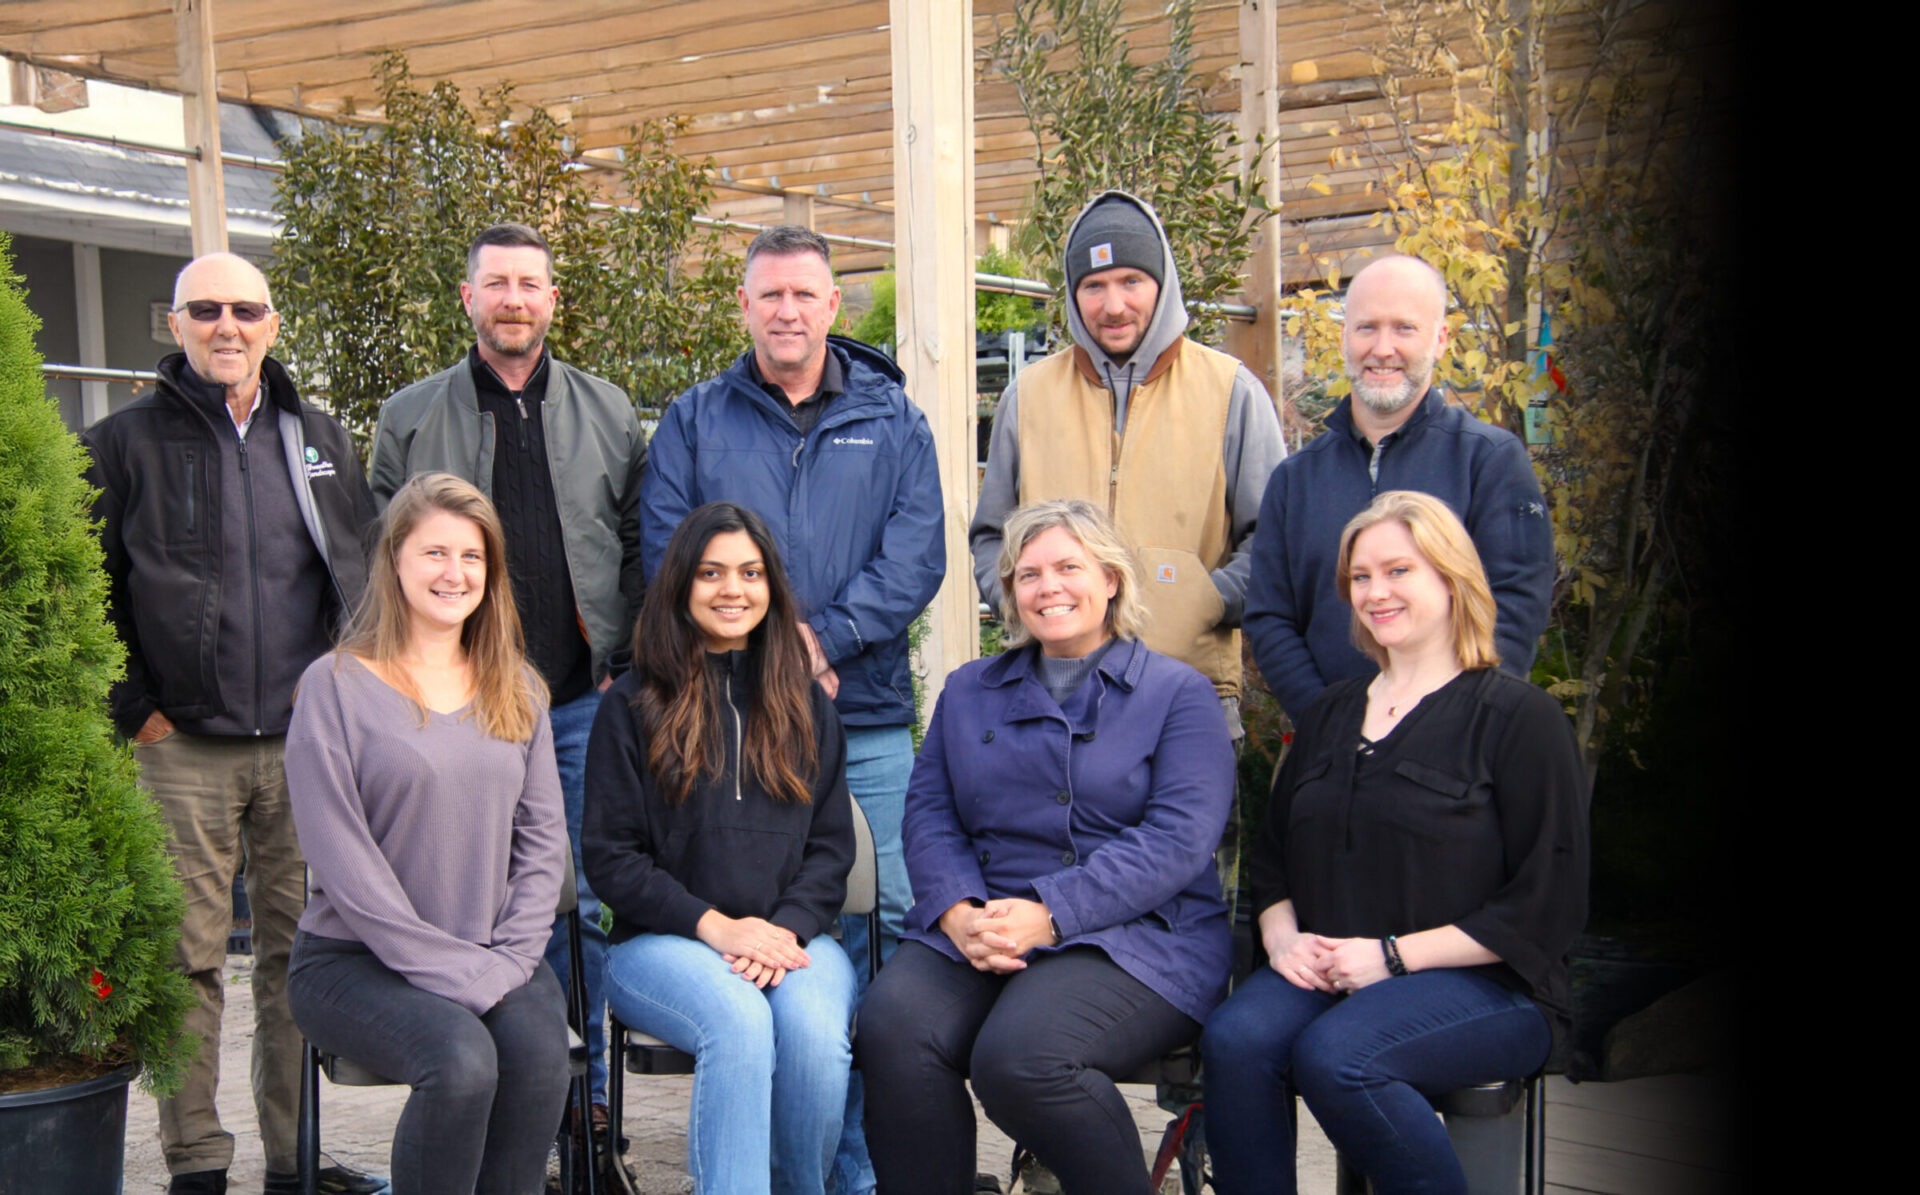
(1421, 876)
(1059, 833)
(719, 831)
(420, 768)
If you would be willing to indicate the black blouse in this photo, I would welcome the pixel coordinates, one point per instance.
(1472, 812)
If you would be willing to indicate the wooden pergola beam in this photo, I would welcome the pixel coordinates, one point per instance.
(1258, 344)
(200, 111)
(933, 247)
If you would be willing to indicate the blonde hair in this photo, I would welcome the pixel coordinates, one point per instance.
(507, 694)
(1442, 539)
(1097, 534)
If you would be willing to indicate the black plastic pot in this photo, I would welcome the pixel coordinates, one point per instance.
(69, 1140)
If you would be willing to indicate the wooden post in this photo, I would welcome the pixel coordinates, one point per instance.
(933, 239)
(1258, 344)
(796, 207)
(90, 320)
(206, 186)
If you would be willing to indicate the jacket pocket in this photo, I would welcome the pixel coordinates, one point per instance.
(186, 476)
(1182, 605)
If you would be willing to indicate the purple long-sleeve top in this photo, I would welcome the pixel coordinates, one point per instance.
(439, 848)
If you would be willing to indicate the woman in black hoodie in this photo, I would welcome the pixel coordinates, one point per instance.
(719, 831)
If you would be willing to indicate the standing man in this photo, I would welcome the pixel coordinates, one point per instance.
(1396, 431)
(231, 514)
(560, 453)
(1172, 438)
(814, 433)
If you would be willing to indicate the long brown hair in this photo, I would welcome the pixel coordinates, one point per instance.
(507, 694)
(678, 708)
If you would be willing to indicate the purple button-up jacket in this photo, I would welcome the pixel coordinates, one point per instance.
(1108, 811)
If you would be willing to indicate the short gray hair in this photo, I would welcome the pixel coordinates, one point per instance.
(1126, 617)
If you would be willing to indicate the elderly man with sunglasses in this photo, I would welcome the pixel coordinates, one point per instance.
(231, 514)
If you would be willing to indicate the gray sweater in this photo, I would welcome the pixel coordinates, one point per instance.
(437, 847)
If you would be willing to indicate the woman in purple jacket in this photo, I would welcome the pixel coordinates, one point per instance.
(1068, 924)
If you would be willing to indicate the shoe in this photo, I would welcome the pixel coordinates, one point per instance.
(332, 1180)
(198, 1182)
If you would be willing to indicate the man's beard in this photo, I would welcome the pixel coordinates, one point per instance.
(502, 337)
(1389, 400)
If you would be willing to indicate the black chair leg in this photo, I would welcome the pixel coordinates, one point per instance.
(585, 1168)
(307, 1142)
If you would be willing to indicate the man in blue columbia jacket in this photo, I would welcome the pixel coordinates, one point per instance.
(1396, 431)
(814, 434)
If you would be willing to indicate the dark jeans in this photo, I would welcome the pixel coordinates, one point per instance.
(487, 1090)
(1040, 1046)
(1362, 1063)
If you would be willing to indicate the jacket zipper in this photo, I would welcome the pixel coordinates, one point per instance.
(739, 744)
(193, 484)
(253, 571)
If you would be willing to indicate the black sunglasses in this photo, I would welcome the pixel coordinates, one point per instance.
(206, 311)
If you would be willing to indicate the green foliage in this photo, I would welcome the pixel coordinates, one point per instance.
(1104, 121)
(89, 906)
(993, 312)
(664, 324)
(881, 322)
(377, 224)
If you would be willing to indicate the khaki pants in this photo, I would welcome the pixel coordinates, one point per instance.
(221, 796)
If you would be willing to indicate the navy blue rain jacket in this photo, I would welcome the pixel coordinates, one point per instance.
(854, 506)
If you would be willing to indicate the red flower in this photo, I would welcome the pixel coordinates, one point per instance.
(101, 988)
(1287, 737)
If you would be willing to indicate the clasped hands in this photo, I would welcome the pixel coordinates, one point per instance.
(996, 936)
(1333, 965)
(759, 951)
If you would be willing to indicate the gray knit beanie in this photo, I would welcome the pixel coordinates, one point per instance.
(1115, 232)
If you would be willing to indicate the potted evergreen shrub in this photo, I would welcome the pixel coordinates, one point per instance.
(89, 906)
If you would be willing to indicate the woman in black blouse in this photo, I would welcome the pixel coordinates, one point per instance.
(1421, 876)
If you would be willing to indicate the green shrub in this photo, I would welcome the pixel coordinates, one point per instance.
(89, 906)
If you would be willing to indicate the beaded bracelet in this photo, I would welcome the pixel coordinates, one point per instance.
(1390, 947)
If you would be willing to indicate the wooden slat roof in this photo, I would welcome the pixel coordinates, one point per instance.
(778, 95)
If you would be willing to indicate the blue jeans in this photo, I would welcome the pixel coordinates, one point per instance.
(879, 764)
(770, 1072)
(1362, 1063)
(572, 723)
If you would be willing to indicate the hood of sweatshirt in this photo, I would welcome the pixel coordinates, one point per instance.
(1169, 319)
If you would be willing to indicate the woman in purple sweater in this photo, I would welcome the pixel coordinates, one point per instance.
(420, 765)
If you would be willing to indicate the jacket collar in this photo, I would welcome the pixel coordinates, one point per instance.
(735, 670)
(1340, 419)
(1083, 361)
(189, 387)
(865, 393)
(1121, 667)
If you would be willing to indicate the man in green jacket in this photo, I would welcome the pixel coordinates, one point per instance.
(561, 454)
